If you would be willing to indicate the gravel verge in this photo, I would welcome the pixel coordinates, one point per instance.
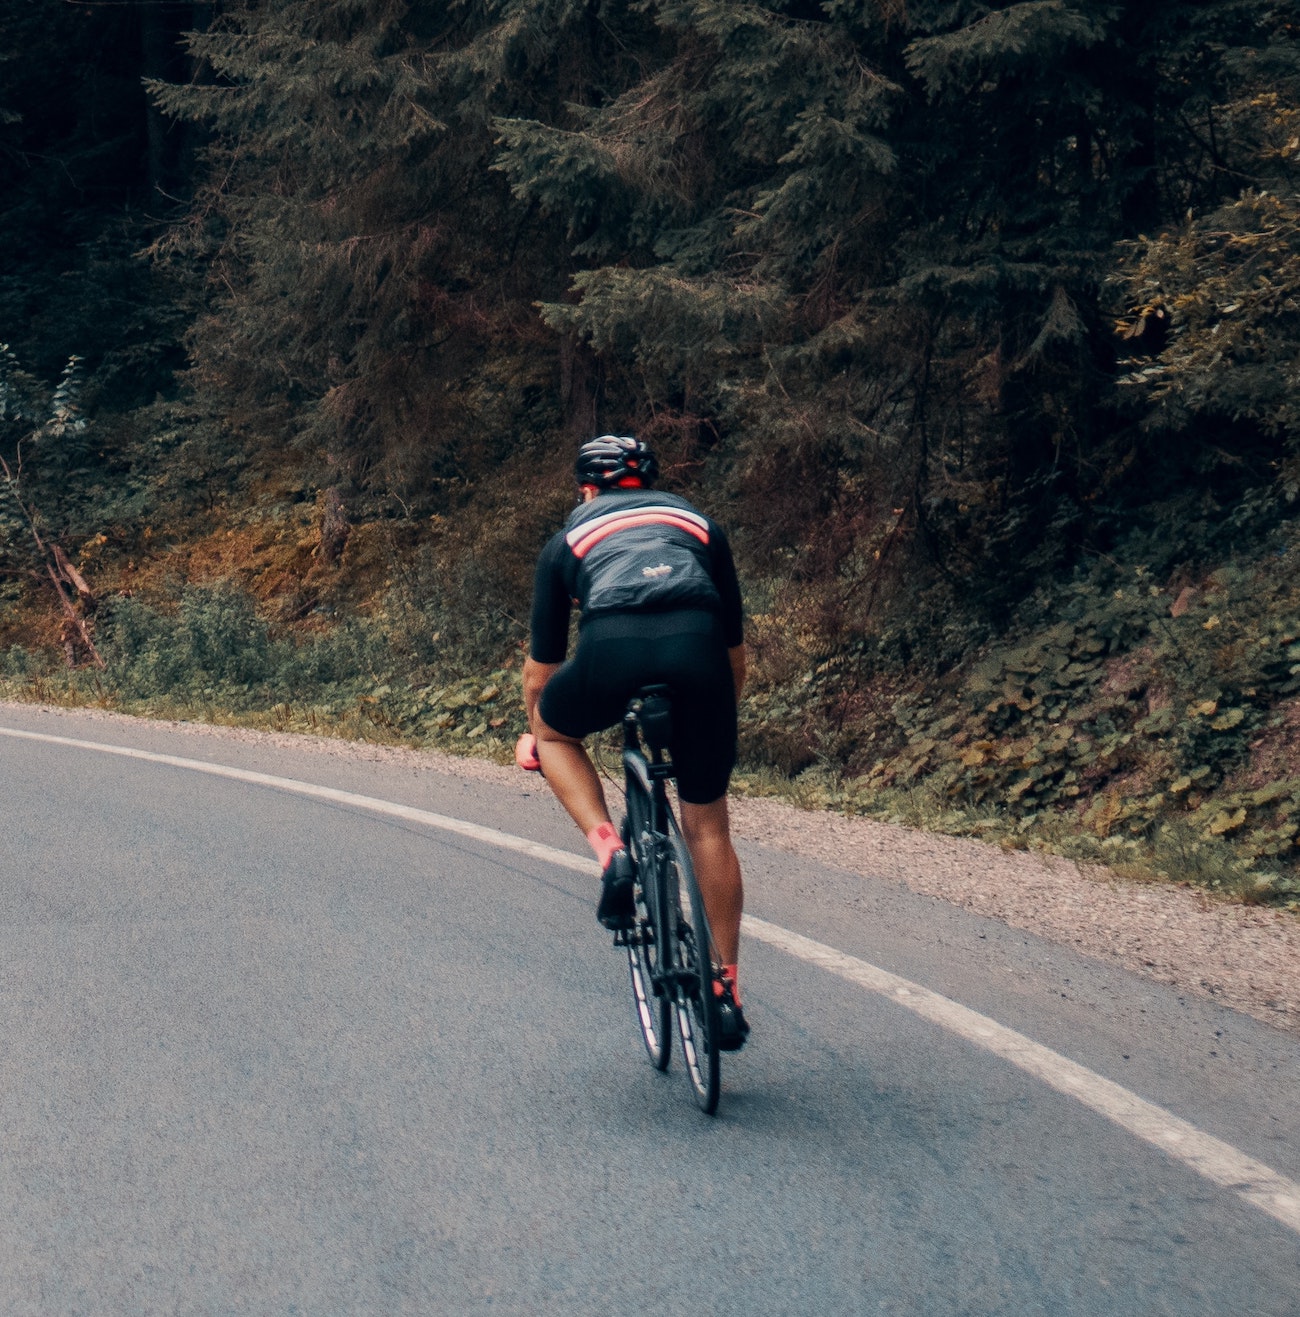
(1247, 958)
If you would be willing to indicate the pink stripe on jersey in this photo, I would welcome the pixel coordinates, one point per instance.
(585, 538)
(581, 532)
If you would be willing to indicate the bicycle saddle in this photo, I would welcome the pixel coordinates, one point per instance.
(656, 716)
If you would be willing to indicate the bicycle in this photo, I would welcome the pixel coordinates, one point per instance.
(670, 949)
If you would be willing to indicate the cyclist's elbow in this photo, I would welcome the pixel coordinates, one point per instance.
(536, 675)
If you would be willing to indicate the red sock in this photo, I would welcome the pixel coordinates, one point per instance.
(605, 841)
(732, 975)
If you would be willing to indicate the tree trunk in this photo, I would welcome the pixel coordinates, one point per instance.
(334, 526)
(581, 383)
(163, 58)
(154, 43)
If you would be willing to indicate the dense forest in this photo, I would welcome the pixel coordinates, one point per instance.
(979, 325)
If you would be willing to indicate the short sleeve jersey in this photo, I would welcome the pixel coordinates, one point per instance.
(556, 588)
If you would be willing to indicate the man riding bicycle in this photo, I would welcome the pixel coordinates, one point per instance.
(659, 603)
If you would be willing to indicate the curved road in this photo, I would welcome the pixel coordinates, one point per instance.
(271, 1053)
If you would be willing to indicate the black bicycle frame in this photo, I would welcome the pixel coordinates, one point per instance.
(650, 773)
(649, 716)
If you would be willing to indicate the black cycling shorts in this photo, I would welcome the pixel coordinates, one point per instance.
(618, 653)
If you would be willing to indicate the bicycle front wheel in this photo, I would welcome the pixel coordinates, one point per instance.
(694, 999)
(653, 1007)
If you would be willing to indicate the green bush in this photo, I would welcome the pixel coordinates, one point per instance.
(213, 654)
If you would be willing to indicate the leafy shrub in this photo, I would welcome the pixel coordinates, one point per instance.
(1122, 717)
(215, 653)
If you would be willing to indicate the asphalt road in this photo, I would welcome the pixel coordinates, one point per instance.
(271, 1054)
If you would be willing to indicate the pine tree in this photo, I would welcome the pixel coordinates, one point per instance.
(372, 282)
(1212, 300)
(741, 186)
(882, 278)
(76, 201)
(851, 262)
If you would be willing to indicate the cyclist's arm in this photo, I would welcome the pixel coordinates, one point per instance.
(737, 656)
(536, 675)
(723, 569)
(549, 625)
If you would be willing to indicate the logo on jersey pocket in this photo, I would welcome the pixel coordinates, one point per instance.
(662, 570)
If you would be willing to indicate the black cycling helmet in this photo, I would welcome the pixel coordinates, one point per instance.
(614, 458)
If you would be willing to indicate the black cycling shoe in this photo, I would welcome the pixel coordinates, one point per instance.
(733, 1028)
(617, 908)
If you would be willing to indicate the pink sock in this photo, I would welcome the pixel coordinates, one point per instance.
(605, 841)
(732, 974)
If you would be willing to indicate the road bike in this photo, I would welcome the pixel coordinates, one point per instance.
(671, 954)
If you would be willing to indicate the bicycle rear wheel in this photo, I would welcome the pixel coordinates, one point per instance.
(653, 1010)
(696, 1005)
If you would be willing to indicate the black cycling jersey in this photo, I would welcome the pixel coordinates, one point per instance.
(633, 552)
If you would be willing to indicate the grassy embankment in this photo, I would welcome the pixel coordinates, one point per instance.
(1151, 724)
(1147, 722)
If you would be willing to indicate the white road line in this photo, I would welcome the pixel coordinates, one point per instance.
(490, 836)
(1258, 1184)
(1219, 1162)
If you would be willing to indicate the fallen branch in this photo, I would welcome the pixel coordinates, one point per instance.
(62, 575)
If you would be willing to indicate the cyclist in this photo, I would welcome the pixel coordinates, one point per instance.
(659, 602)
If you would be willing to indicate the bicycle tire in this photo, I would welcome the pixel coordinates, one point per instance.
(696, 1006)
(653, 1011)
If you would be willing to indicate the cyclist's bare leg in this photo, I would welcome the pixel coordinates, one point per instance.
(570, 774)
(564, 761)
(707, 829)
